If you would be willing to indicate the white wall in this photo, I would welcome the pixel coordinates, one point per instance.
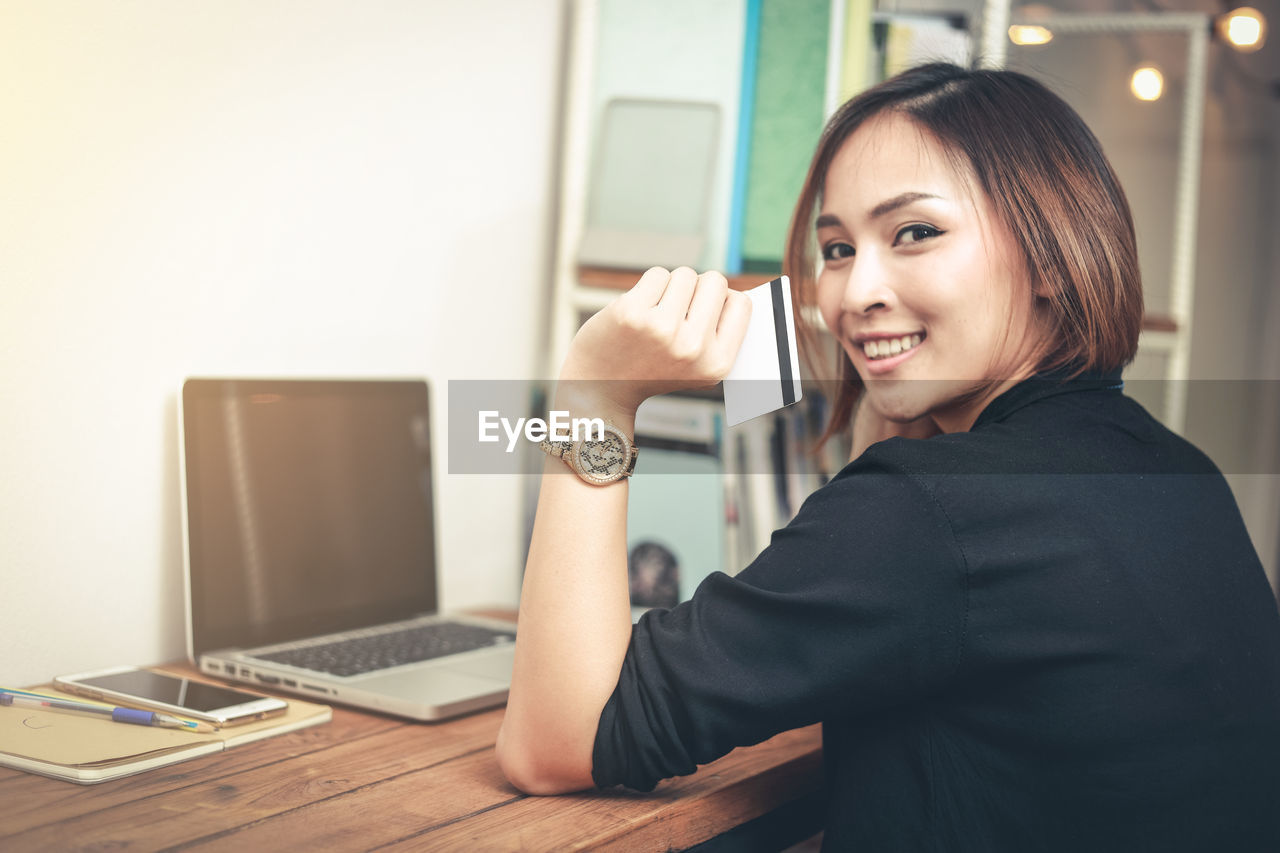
(329, 187)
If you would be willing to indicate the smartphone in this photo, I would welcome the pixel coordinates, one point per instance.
(143, 688)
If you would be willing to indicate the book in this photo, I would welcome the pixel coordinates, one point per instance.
(650, 201)
(850, 67)
(88, 749)
(676, 514)
(693, 67)
(787, 56)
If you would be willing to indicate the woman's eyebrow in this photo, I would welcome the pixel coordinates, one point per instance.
(884, 208)
(889, 206)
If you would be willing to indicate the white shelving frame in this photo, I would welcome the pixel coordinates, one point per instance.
(568, 296)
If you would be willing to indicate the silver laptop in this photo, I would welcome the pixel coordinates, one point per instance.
(308, 527)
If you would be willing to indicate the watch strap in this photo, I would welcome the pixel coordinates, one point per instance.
(566, 450)
(558, 449)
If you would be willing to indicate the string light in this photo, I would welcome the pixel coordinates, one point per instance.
(1147, 83)
(1023, 34)
(1244, 28)
(1031, 33)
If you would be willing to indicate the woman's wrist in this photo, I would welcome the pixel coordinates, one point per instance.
(595, 398)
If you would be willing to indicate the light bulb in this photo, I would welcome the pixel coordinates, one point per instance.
(1147, 83)
(1025, 34)
(1244, 28)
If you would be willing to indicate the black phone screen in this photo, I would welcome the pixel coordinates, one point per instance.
(170, 690)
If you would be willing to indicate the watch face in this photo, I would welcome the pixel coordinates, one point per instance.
(603, 460)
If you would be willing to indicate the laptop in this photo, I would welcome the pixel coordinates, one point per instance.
(310, 548)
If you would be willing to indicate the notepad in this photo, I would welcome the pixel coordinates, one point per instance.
(87, 749)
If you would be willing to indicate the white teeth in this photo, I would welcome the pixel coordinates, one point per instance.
(892, 346)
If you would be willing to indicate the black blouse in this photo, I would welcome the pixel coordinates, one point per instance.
(1048, 633)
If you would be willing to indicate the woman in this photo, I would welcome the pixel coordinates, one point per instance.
(1030, 619)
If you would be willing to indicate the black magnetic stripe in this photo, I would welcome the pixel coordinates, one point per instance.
(784, 349)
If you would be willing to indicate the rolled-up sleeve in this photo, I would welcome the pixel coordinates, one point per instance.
(856, 606)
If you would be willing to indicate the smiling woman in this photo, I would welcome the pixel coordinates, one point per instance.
(1027, 615)
(988, 192)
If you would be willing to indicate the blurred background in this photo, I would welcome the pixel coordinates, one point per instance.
(430, 188)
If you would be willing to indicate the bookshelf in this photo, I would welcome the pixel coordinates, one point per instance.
(582, 289)
(749, 206)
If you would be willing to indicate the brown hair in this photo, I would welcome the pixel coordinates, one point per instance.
(1049, 184)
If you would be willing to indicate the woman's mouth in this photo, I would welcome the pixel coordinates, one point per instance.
(888, 347)
(883, 355)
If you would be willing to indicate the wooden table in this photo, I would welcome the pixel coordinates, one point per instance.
(366, 781)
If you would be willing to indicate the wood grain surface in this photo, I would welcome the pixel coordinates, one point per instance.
(366, 781)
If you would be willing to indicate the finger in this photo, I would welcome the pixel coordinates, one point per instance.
(675, 299)
(732, 329)
(648, 290)
(708, 301)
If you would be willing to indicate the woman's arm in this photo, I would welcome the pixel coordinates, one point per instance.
(671, 330)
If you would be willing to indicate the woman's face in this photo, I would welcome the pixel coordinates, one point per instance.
(920, 282)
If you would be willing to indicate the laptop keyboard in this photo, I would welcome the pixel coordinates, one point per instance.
(357, 655)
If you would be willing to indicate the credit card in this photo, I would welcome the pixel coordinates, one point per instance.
(766, 375)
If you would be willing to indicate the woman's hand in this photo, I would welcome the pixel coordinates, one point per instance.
(671, 330)
(869, 426)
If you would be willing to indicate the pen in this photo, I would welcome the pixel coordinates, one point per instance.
(22, 698)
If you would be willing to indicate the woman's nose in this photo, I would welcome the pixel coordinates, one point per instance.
(867, 287)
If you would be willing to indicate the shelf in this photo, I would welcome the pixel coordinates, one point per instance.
(602, 278)
(621, 279)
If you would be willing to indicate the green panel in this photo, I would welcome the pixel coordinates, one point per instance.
(790, 88)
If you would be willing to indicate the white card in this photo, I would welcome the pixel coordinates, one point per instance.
(766, 375)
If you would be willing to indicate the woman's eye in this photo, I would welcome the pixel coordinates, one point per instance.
(837, 251)
(916, 233)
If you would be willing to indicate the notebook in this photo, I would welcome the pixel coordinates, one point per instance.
(310, 548)
(89, 749)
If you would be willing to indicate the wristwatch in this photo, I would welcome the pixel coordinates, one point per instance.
(598, 462)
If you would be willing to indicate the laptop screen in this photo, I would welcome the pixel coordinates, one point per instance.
(308, 507)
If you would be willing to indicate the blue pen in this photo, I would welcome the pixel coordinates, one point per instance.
(24, 699)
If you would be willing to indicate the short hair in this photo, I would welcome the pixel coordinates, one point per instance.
(1048, 182)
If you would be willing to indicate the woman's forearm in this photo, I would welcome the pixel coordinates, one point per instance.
(575, 623)
(671, 330)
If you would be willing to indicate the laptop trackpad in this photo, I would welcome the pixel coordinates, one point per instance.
(496, 666)
(431, 685)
